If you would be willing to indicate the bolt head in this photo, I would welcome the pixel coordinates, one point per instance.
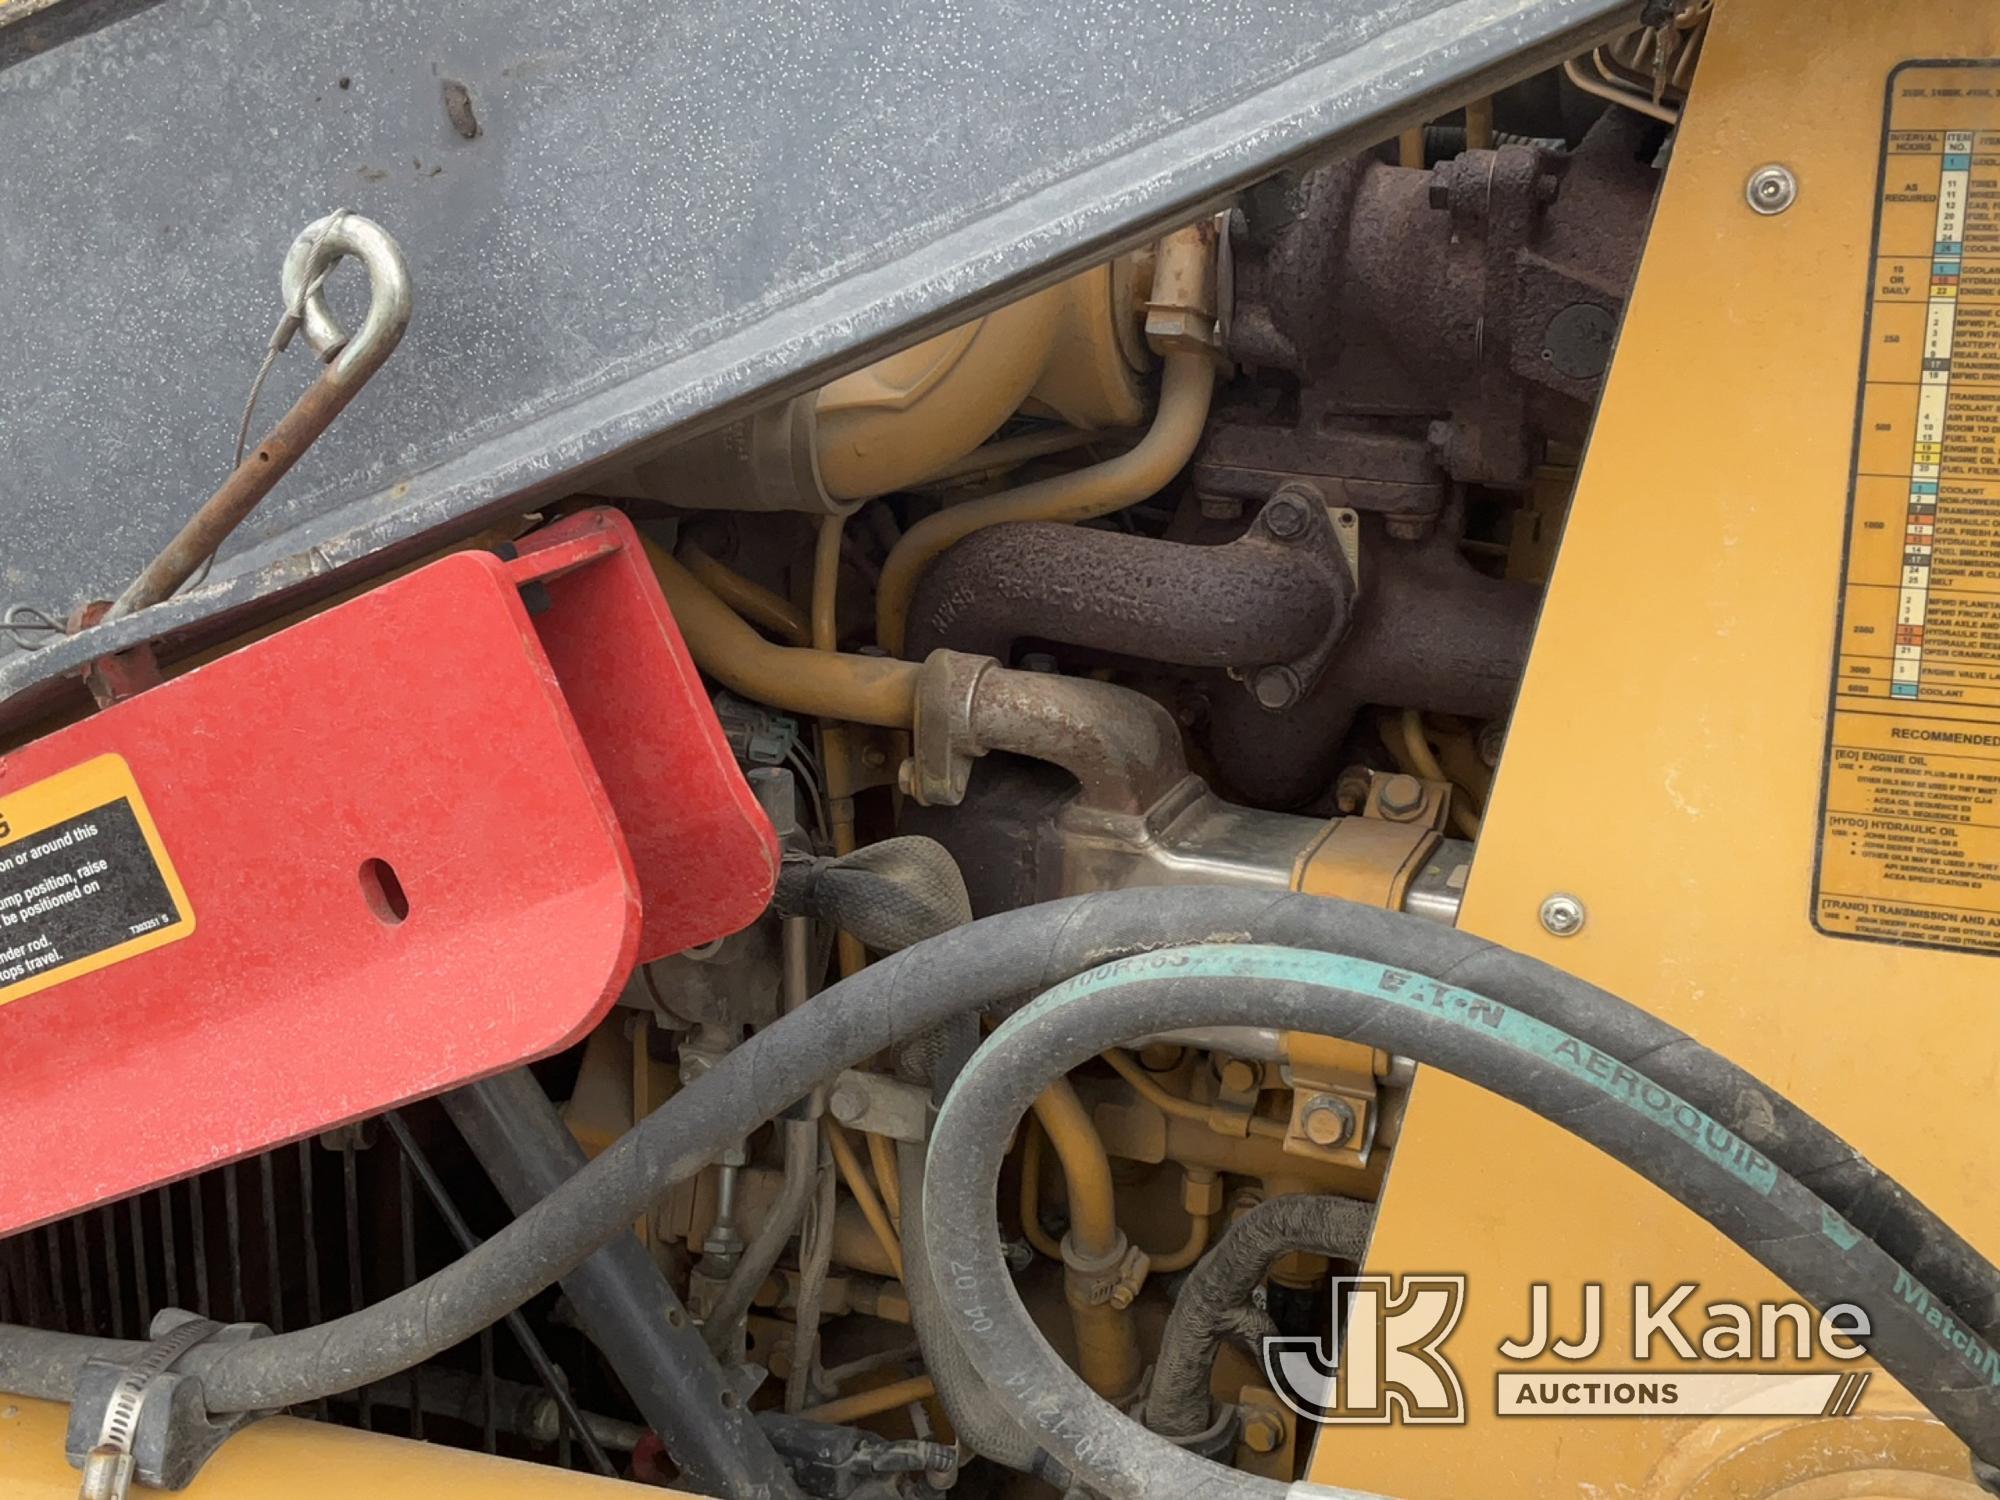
(1263, 1432)
(1276, 687)
(1771, 189)
(1562, 915)
(1401, 796)
(1327, 1120)
(848, 1104)
(1286, 516)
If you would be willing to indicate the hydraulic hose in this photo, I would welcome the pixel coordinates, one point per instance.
(981, 1422)
(1079, 495)
(1218, 1292)
(1614, 1106)
(979, 966)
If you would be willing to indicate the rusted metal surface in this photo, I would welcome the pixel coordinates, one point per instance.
(1437, 326)
(1123, 748)
(1430, 631)
(1249, 602)
(248, 483)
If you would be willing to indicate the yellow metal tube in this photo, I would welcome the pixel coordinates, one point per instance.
(300, 1460)
(871, 1403)
(882, 1161)
(1172, 1104)
(1093, 1219)
(856, 1177)
(1408, 742)
(1107, 1347)
(1032, 1151)
(1192, 1248)
(1079, 495)
(757, 604)
(824, 684)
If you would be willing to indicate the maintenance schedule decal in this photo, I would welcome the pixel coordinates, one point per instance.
(84, 880)
(1910, 823)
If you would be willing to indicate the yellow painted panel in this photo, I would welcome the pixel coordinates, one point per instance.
(298, 1460)
(1665, 766)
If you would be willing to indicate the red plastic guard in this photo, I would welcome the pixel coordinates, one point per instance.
(408, 842)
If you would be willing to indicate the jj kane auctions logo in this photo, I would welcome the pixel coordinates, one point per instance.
(1384, 1360)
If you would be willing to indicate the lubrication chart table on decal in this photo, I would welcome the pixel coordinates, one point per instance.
(1910, 830)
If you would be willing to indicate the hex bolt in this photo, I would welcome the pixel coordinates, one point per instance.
(1401, 797)
(849, 1104)
(1327, 1120)
(1276, 687)
(1771, 189)
(1263, 1432)
(874, 757)
(1287, 516)
(1562, 915)
(1038, 661)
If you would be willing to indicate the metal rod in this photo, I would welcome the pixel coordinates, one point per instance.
(407, 1208)
(80, 1233)
(141, 1271)
(114, 1283)
(170, 1259)
(267, 1179)
(31, 1278)
(198, 1228)
(489, 1394)
(356, 1297)
(545, 1368)
(623, 1302)
(232, 1213)
(309, 1226)
(315, 251)
(60, 1296)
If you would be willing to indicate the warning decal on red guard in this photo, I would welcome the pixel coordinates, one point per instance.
(84, 881)
(1909, 847)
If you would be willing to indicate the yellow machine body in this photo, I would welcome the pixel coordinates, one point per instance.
(1665, 768)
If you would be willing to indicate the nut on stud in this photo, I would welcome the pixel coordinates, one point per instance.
(1562, 915)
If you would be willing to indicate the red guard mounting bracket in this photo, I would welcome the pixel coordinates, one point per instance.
(405, 843)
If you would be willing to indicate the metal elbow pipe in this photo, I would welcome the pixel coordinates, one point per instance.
(1122, 747)
(1430, 632)
(1243, 604)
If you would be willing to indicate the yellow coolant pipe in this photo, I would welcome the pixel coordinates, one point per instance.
(1079, 495)
(826, 684)
(1095, 1249)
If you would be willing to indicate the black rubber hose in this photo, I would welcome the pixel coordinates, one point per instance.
(1616, 1108)
(888, 894)
(1217, 1291)
(980, 1421)
(974, 967)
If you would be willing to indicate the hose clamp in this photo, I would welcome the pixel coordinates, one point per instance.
(145, 1421)
(107, 1470)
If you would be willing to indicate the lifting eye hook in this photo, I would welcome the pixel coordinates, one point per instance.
(349, 364)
